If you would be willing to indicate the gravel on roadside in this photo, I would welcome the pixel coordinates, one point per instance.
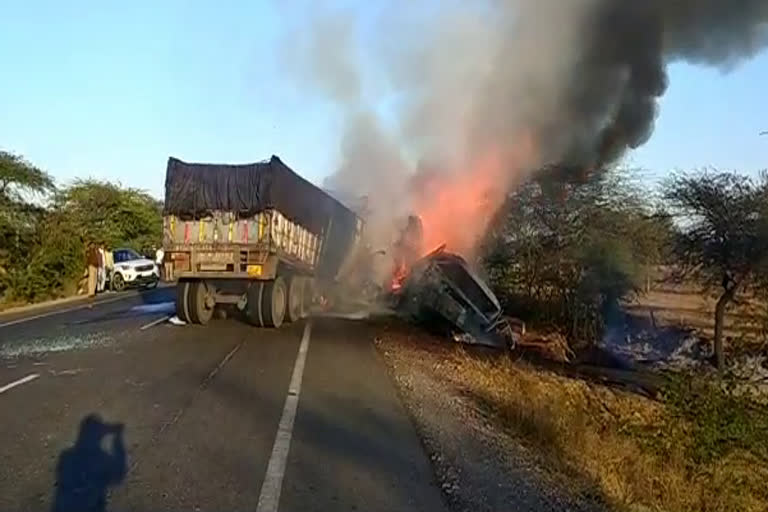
(479, 467)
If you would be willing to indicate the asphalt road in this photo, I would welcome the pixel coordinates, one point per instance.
(100, 411)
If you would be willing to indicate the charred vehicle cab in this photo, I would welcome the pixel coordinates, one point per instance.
(441, 291)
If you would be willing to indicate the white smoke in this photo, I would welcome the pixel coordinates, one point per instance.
(579, 77)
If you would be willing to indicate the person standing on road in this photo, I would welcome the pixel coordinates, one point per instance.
(159, 256)
(102, 270)
(92, 260)
(109, 263)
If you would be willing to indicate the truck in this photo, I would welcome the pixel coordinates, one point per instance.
(258, 236)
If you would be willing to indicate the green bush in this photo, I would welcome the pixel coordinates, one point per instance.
(716, 417)
(43, 241)
(565, 254)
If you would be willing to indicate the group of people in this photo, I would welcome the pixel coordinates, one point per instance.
(100, 262)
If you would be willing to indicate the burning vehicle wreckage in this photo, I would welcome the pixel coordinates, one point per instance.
(441, 292)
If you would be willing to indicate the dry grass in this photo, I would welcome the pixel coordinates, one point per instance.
(594, 436)
(583, 429)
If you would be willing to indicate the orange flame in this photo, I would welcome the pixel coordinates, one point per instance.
(456, 209)
(398, 277)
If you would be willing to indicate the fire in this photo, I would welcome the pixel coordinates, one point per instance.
(406, 251)
(455, 209)
(398, 277)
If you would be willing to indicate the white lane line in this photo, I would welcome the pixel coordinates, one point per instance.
(23, 380)
(61, 311)
(269, 498)
(152, 324)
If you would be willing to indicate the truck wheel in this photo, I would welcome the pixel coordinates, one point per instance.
(273, 302)
(182, 301)
(295, 298)
(253, 306)
(307, 296)
(201, 302)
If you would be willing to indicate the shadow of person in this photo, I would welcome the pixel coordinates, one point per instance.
(86, 470)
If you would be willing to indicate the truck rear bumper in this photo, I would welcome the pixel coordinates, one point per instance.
(256, 265)
(218, 275)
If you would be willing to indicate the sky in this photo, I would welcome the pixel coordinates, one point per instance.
(110, 90)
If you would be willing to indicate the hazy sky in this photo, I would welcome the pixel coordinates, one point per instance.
(110, 90)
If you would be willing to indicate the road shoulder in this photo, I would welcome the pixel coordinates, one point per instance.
(478, 465)
(35, 306)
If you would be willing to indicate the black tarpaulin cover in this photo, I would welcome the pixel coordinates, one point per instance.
(196, 190)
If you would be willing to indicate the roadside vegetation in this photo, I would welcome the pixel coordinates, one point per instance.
(698, 448)
(569, 256)
(44, 229)
(585, 259)
(565, 254)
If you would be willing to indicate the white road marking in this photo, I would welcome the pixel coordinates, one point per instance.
(152, 324)
(269, 498)
(23, 380)
(62, 311)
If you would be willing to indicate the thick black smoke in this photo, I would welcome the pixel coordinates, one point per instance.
(581, 79)
(617, 80)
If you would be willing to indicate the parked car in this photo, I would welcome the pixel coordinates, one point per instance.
(133, 269)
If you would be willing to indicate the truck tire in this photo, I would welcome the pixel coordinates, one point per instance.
(307, 296)
(182, 301)
(295, 298)
(200, 302)
(274, 302)
(253, 306)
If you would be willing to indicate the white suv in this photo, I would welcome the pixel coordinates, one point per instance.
(133, 269)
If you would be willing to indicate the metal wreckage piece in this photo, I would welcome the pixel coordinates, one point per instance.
(438, 291)
(442, 293)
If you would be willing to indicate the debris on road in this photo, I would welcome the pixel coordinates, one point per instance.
(175, 320)
(62, 373)
(24, 346)
(155, 322)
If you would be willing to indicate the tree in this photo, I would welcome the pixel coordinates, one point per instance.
(108, 214)
(18, 176)
(565, 253)
(20, 183)
(721, 237)
(44, 230)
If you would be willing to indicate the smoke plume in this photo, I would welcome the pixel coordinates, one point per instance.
(447, 105)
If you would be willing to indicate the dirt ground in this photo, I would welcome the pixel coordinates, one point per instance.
(687, 307)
